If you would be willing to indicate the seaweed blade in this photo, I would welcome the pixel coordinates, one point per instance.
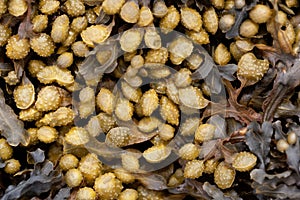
(10, 126)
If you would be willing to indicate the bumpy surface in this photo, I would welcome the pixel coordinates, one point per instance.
(244, 161)
(149, 100)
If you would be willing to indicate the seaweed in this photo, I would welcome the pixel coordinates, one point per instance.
(42, 179)
(11, 127)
